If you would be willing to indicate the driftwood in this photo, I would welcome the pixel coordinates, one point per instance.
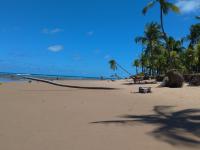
(145, 90)
(69, 86)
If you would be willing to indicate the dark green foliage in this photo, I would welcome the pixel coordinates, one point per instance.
(187, 77)
(175, 79)
(160, 78)
(194, 36)
(195, 80)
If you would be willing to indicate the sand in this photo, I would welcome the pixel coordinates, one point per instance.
(38, 116)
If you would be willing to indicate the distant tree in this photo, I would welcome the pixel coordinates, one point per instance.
(194, 36)
(136, 63)
(113, 64)
(150, 41)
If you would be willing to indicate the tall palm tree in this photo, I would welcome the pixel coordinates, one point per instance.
(194, 36)
(165, 7)
(151, 38)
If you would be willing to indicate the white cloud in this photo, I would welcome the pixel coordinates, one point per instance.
(52, 31)
(188, 6)
(56, 48)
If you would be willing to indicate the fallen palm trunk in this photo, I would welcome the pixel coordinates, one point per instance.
(69, 86)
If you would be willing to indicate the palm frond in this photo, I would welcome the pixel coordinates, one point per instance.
(173, 7)
(149, 5)
(197, 17)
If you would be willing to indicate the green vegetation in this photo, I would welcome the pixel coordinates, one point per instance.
(161, 52)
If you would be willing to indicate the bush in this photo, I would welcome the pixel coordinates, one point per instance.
(195, 80)
(160, 78)
(175, 79)
(187, 77)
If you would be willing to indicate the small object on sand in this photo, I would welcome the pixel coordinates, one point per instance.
(145, 90)
(29, 81)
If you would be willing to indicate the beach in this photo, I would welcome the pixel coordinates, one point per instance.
(42, 116)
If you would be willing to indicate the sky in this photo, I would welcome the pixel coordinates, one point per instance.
(79, 37)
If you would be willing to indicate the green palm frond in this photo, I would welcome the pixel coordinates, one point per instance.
(173, 7)
(149, 5)
(141, 40)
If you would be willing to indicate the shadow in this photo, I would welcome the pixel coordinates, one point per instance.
(69, 86)
(178, 128)
(129, 83)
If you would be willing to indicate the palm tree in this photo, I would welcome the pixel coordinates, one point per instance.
(194, 36)
(197, 17)
(151, 39)
(165, 7)
(114, 65)
(136, 63)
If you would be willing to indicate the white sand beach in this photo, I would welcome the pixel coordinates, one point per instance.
(39, 116)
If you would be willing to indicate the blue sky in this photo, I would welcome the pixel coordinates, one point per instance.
(76, 37)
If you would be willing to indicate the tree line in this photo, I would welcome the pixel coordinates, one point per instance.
(162, 52)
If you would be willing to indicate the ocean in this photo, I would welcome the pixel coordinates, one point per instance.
(10, 77)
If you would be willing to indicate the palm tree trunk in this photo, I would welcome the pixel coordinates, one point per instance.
(164, 33)
(161, 22)
(136, 70)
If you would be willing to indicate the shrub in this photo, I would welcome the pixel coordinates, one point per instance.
(175, 79)
(195, 80)
(187, 77)
(160, 78)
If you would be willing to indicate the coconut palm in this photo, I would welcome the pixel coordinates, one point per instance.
(150, 40)
(194, 36)
(114, 65)
(165, 7)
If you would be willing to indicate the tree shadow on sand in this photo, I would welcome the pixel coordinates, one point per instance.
(179, 128)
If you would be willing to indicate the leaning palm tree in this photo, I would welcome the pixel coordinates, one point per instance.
(165, 7)
(114, 65)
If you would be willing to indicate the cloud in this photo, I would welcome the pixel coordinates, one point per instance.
(90, 33)
(56, 48)
(188, 6)
(52, 31)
